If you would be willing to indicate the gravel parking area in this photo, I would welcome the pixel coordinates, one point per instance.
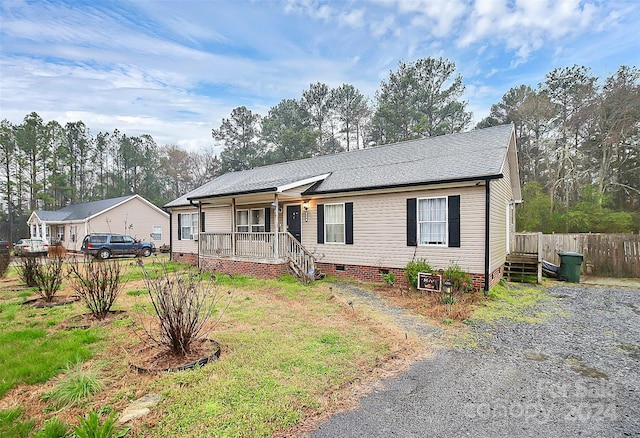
(576, 373)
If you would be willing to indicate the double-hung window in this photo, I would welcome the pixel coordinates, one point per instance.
(188, 226)
(334, 223)
(157, 232)
(432, 221)
(250, 221)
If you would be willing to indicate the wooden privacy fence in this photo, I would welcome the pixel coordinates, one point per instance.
(606, 255)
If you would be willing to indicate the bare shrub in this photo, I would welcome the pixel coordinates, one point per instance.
(98, 283)
(26, 270)
(47, 275)
(184, 304)
(5, 259)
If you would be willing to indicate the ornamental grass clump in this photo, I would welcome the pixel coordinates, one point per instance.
(91, 426)
(184, 304)
(77, 385)
(98, 283)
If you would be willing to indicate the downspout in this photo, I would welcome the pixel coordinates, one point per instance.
(199, 213)
(487, 221)
(170, 233)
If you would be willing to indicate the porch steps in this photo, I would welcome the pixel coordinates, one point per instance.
(523, 267)
(302, 275)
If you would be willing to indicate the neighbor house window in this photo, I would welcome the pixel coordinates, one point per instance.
(157, 232)
(188, 224)
(432, 221)
(73, 232)
(250, 221)
(60, 233)
(334, 223)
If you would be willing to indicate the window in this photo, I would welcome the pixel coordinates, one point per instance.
(156, 234)
(250, 221)
(257, 221)
(188, 226)
(73, 232)
(334, 223)
(242, 221)
(432, 221)
(60, 233)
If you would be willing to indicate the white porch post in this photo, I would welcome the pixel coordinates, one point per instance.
(233, 226)
(276, 250)
(44, 232)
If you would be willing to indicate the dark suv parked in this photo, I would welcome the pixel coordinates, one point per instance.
(105, 245)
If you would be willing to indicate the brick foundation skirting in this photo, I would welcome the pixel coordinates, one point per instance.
(235, 267)
(368, 274)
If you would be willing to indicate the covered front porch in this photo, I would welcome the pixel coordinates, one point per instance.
(264, 247)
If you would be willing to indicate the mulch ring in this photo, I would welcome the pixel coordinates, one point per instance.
(88, 320)
(154, 358)
(57, 300)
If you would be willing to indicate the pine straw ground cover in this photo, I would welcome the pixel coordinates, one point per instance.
(290, 354)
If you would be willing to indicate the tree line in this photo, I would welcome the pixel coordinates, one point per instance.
(577, 143)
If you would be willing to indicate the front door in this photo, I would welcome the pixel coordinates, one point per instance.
(294, 224)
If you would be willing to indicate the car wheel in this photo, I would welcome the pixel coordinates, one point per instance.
(104, 254)
(146, 252)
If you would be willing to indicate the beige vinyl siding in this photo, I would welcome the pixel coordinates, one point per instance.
(183, 246)
(134, 217)
(501, 197)
(217, 219)
(379, 231)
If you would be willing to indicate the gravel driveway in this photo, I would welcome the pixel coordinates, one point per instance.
(574, 374)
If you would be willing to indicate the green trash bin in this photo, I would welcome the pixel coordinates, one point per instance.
(570, 264)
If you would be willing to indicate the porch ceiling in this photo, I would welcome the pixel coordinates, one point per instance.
(252, 198)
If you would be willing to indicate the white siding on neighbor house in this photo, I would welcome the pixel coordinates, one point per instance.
(380, 237)
(135, 218)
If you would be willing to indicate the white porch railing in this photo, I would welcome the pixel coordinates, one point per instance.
(259, 246)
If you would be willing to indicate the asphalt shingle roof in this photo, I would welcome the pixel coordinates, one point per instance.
(462, 156)
(80, 211)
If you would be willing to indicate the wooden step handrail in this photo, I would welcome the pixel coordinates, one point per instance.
(303, 261)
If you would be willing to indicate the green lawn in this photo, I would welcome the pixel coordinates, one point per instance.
(289, 351)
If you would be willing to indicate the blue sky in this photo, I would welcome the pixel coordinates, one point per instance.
(174, 69)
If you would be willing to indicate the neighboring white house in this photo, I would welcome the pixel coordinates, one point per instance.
(447, 199)
(132, 215)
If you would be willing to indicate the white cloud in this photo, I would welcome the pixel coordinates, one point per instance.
(382, 27)
(174, 69)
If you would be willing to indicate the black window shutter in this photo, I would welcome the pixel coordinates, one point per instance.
(412, 222)
(320, 224)
(179, 227)
(202, 222)
(348, 223)
(267, 219)
(454, 221)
